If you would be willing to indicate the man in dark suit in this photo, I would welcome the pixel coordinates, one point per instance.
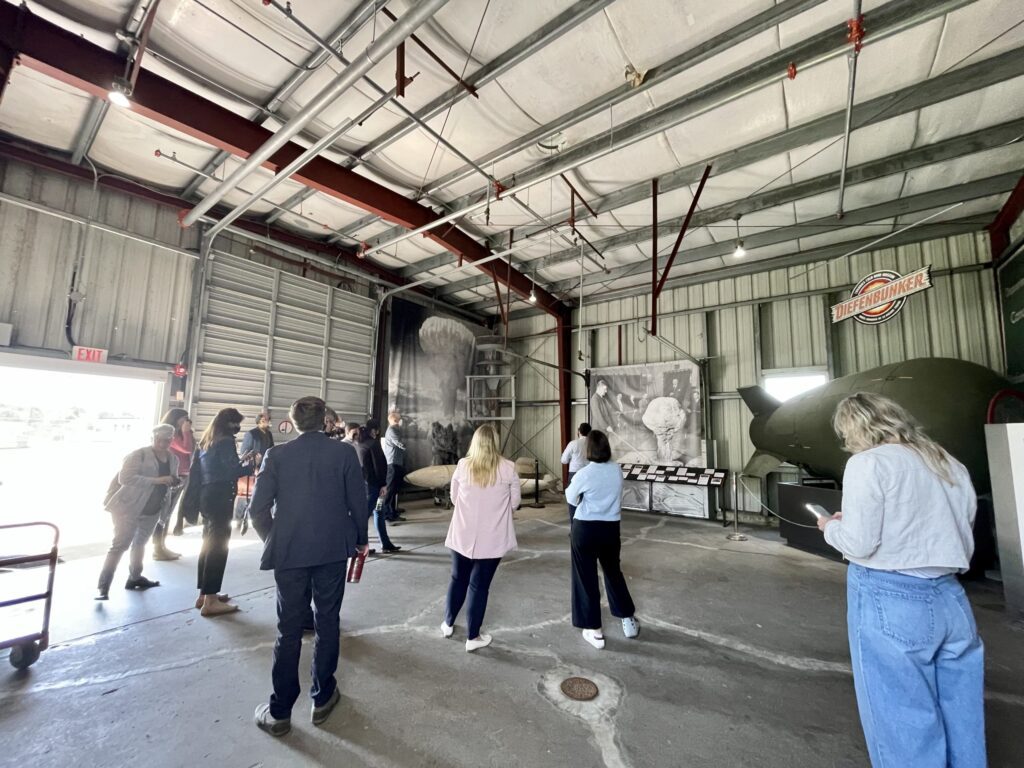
(315, 487)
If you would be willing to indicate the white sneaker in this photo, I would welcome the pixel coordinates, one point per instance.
(630, 627)
(594, 637)
(447, 629)
(480, 642)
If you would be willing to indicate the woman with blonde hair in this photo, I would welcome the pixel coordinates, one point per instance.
(485, 490)
(905, 527)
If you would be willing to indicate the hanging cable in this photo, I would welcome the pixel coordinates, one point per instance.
(771, 511)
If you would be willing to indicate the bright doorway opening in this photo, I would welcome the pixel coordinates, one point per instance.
(784, 385)
(63, 436)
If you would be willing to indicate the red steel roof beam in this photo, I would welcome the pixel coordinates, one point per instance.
(64, 56)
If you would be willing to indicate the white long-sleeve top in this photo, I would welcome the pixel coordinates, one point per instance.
(575, 454)
(898, 515)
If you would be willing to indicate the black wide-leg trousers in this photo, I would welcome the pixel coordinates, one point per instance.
(596, 542)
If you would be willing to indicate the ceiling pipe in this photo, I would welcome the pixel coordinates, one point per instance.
(293, 167)
(340, 36)
(856, 36)
(723, 92)
(491, 181)
(373, 55)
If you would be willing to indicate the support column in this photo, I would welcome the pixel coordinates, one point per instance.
(563, 334)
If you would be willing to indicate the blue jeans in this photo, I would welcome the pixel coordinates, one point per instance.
(379, 518)
(918, 669)
(326, 584)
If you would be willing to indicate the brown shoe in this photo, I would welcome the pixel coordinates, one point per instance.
(222, 597)
(217, 609)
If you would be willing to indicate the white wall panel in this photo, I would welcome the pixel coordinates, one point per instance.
(136, 295)
(268, 338)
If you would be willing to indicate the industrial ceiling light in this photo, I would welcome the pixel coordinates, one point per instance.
(740, 251)
(533, 296)
(120, 93)
(533, 287)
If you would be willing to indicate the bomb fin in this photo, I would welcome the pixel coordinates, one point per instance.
(758, 401)
(760, 464)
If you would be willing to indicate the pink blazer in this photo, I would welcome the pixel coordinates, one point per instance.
(482, 525)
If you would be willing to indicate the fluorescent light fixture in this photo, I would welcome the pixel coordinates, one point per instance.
(119, 92)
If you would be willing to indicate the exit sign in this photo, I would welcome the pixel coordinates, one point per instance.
(89, 354)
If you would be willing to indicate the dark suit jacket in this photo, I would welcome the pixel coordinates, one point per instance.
(375, 465)
(315, 487)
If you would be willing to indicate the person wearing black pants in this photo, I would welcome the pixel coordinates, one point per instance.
(596, 492)
(217, 501)
(309, 509)
(485, 490)
(220, 469)
(593, 542)
(473, 577)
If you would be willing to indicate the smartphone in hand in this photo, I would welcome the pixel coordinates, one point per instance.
(819, 512)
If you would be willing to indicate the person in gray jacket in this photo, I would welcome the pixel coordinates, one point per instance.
(135, 503)
(394, 450)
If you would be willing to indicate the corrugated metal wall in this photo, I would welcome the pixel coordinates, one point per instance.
(776, 320)
(136, 295)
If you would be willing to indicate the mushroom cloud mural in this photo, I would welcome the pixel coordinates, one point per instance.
(664, 417)
(448, 344)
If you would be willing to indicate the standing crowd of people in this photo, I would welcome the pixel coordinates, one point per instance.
(905, 528)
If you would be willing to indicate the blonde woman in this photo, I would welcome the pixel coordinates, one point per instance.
(485, 490)
(905, 527)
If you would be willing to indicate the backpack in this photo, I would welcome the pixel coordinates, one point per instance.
(112, 489)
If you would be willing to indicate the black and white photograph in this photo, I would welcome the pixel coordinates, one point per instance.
(651, 413)
(431, 355)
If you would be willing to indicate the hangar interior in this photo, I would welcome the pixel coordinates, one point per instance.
(237, 203)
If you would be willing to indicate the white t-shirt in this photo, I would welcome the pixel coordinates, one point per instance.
(575, 454)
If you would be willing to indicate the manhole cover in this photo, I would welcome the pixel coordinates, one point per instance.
(579, 688)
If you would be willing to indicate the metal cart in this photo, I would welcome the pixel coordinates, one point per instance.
(26, 649)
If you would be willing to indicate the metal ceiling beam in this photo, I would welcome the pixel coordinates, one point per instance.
(825, 253)
(759, 23)
(913, 204)
(889, 20)
(363, 13)
(655, 76)
(565, 22)
(98, 108)
(90, 127)
(950, 149)
(62, 55)
(267, 152)
(299, 197)
(937, 198)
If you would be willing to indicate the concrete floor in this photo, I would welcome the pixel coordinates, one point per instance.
(742, 661)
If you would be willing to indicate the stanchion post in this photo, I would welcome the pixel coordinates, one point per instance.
(735, 535)
(536, 486)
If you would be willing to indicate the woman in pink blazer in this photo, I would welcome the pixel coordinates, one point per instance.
(485, 489)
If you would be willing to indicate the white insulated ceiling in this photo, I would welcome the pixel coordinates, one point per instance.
(239, 53)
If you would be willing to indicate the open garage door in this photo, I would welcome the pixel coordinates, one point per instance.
(267, 338)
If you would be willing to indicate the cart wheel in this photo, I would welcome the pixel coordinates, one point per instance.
(24, 656)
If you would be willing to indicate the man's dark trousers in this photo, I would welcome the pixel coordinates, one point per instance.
(327, 584)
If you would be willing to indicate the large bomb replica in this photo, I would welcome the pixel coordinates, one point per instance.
(948, 398)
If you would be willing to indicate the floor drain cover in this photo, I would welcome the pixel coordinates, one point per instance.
(579, 688)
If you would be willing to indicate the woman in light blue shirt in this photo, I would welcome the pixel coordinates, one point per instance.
(596, 492)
